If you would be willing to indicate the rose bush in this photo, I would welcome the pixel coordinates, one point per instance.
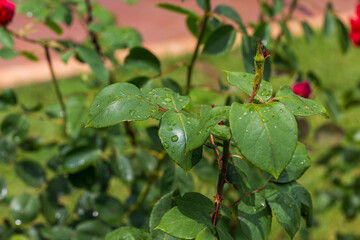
(116, 179)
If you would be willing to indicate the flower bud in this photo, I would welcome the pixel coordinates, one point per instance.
(7, 11)
(355, 27)
(302, 89)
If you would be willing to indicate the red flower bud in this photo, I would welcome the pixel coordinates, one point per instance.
(302, 89)
(7, 10)
(212, 105)
(355, 27)
(266, 54)
(221, 123)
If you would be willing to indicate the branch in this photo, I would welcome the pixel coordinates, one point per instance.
(92, 35)
(57, 88)
(247, 194)
(221, 180)
(196, 51)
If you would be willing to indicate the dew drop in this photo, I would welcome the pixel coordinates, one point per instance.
(281, 110)
(245, 113)
(174, 138)
(173, 151)
(18, 222)
(167, 99)
(166, 145)
(170, 129)
(132, 112)
(240, 118)
(275, 126)
(95, 214)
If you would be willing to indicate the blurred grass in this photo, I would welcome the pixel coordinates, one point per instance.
(336, 70)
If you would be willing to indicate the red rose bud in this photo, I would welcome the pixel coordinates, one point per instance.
(221, 123)
(7, 10)
(212, 105)
(355, 27)
(266, 54)
(302, 89)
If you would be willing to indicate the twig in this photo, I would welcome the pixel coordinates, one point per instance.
(247, 194)
(196, 51)
(56, 85)
(89, 20)
(221, 180)
(253, 94)
(170, 69)
(216, 150)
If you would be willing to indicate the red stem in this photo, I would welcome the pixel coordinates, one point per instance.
(221, 180)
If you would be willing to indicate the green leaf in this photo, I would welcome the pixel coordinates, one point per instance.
(6, 39)
(220, 41)
(57, 233)
(222, 132)
(329, 21)
(166, 98)
(66, 56)
(196, 206)
(24, 208)
(244, 176)
(171, 84)
(128, 233)
(109, 209)
(205, 234)
(122, 167)
(223, 230)
(92, 58)
(8, 99)
(7, 53)
(114, 38)
(207, 123)
(177, 9)
(7, 151)
(255, 217)
(343, 35)
(178, 225)
(332, 104)
(32, 173)
(3, 188)
(244, 82)
(299, 163)
(262, 132)
(309, 33)
(283, 200)
(265, 8)
(54, 26)
(298, 105)
(146, 162)
(175, 130)
(91, 229)
(117, 103)
(130, 1)
(285, 30)
(15, 126)
(306, 204)
(29, 55)
(80, 158)
(142, 59)
(278, 6)
(229, 12)
(160, 208)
